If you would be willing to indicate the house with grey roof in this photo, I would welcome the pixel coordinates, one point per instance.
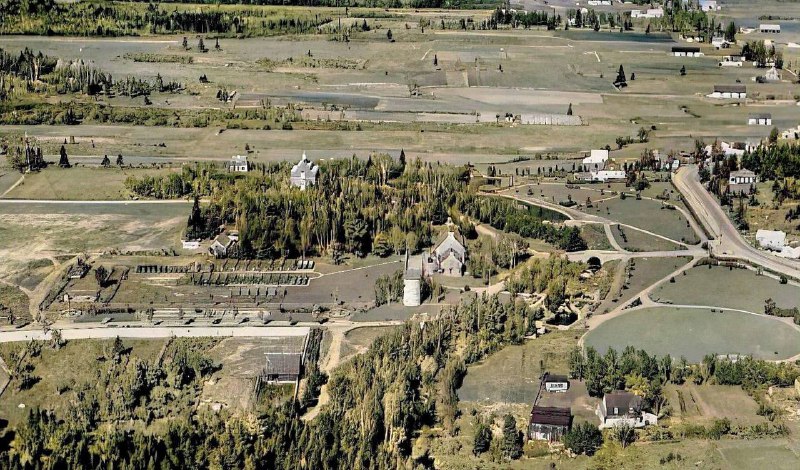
(729, 92)
(238, 164)
(304, 173)
(760, 119)
(449, 257)
(623, 408)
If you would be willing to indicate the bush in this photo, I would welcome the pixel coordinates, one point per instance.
(585, 438)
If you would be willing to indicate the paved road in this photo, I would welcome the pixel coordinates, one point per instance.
(728, 241)
(100, 332)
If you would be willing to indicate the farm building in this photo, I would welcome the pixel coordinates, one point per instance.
(556, 383)
(304, 173)
(720, 42)
(791, 134)
(448, 257)
(732, 61)
(760, 119)
(649, 13)
(596, 159)
(686, 51)
(608, 175)
(282, 367)
(238, 164)
(729, 92)
(623, 407)
(549, 423)
(742, 177)
(770, 28)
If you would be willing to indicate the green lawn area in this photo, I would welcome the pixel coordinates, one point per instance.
(759, 454)
(644, 272)
(720, 286)
(80, 183)
(694, 332)
(13, 301)
(595, 236)
(647, 215)
(636, 240)
(511, 375)
(75, 363)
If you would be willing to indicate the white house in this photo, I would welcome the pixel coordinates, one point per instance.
(607, 175)
(597, 159)
(773, 240)
(238, 164)
(720, 42)
(761, 119)
(729, 92)
(684, 51)
(791, 134)
(221, 246)
(623, 408)
(728, 149)
(304, 173)
(742, 177)
(709, 5)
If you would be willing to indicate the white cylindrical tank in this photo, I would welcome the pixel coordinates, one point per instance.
(411, 292)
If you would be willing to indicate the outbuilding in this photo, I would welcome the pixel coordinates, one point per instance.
(770, 28)
(760, 119)
(729, 92)
(556, 383)
(685, 51)
(549, 423)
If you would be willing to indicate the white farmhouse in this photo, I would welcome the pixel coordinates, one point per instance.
(709, 5)
(770, 28)
(304, 173)
(742, 177)
(684, 51)
(623, 408)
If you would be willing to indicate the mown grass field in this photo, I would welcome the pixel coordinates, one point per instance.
(725, 287)
(693, 333)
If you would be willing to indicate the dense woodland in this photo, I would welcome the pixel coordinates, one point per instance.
(778, 160)
(380, 205)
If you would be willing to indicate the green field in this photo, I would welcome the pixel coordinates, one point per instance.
(511, 375)
(693, 333)
(647, 215)
(636, 240)
(725, 287)
(643, 273)
(80, 183)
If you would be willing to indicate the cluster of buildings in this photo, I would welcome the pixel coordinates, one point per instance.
(447, 258)
(551, 423)
(597, 169)
(303, 174)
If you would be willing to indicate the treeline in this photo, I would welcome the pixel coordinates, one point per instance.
(527, 221)
(523, 19)
(96, 18)
(99, 113)
(778, 160)
(646, 374)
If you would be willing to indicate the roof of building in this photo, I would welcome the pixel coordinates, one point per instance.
(551, 415)
(769, 26)
(283, 363)
(223, 239)
(761, 116)
(239, 159)
(452, 241)
(552, 378)
(771, 235)
(623, 401)
(305, 165)
(685, 49)
(744, 172)
(730, 88)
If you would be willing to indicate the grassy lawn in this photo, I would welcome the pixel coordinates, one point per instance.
(635, 240)
(511, 375)
(595, 236)
(643, 273)
(725, 287)
(14, 301)
(704, 403)
(695, 332)
(75, 363)
(647, 215)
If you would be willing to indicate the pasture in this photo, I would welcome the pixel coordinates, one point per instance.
(695, 332)
(719, 286)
